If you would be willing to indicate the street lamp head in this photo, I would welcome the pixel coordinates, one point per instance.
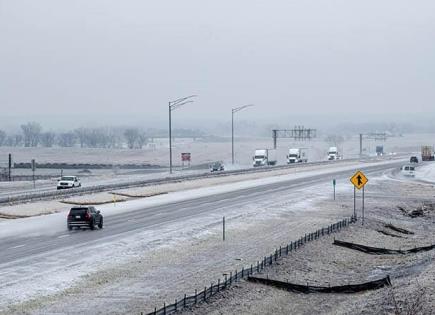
(178, 105)
(238, 109)
(180, 100)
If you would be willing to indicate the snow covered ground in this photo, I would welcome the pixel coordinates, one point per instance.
(242, 180)
(202, 153)
(205, 152)
(126, 274)
(426, 172)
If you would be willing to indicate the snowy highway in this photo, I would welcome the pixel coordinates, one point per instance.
(20, 247)
(41, 246)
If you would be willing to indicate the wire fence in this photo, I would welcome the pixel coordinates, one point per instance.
(203, 295)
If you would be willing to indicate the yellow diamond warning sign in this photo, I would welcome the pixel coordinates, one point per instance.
(359, 180)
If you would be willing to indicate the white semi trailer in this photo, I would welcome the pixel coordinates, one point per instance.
(263, 157)
(297, 155)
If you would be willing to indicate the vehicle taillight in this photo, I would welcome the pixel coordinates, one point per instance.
(69, 214)
(87, 216)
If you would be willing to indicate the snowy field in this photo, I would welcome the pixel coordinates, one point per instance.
(426, 173)
(202, 153)
(142, 268)
(192, 186)
(205, 152)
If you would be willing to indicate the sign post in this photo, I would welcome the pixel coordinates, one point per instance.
(223, 229)
(9, 167)
(363, 205)
(333, 184)
(33, 171)
(359, 180)
(185, 157)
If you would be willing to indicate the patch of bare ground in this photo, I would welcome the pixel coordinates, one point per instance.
(320, 263)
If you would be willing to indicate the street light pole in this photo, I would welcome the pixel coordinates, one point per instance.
(235, 110)
(170, 139)
(173, 105)
(232, 136)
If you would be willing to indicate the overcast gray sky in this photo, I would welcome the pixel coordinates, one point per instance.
(290, 58)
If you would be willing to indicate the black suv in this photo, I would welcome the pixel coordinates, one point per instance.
(84, 217)
(413, 159)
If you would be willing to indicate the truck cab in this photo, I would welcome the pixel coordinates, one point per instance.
(260, 158)
(333, 154)
(263, 157)
(297, 155)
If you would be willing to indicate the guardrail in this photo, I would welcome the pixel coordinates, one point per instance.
(202, 296)
(56, 194)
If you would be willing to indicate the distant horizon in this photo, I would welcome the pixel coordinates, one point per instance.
(332, 123)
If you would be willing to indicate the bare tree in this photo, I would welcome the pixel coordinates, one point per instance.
(47, 139)
(14, 140)
(142, 140)
(132, 136)
(66, 139)
(32, 132)
(113, 137)
(3, 137)
(81, 135)
(18, 140)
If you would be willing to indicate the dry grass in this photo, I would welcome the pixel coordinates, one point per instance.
(409, 303)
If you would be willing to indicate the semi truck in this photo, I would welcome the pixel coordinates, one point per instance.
(379, 150)
(333, 154)
(263, 157)
(297, 155)
(427, 153)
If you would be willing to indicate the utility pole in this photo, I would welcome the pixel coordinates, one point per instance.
(33, 172)
(9, 167)
(233, 111)
(360, 145)
(173, 105)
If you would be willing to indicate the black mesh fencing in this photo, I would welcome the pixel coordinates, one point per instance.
(247, 271)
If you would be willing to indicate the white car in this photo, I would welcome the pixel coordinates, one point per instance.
(408, 170)
(68, 182)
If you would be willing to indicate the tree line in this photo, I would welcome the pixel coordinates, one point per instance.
(33, 135)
